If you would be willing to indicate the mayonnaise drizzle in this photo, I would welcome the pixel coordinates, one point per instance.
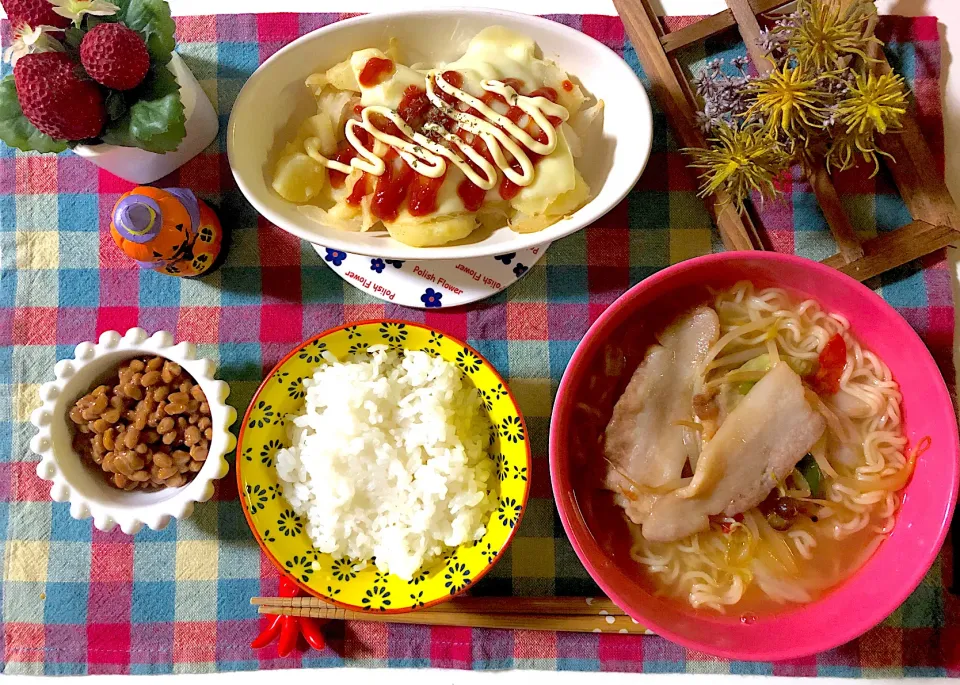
(429, 158)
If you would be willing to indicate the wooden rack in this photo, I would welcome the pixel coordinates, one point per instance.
(936, 221)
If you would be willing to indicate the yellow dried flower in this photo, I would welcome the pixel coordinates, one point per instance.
(872, 105)
(789, 102)
(831, 30)
(739, 161)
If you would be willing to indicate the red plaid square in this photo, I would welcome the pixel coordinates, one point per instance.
(280, 27)
(277, 247)
(451, 323)
(199, 324)
(610, 245)
(202, 174)
(114, 184)
(194, 641)
(35, 326)
(36, 174)
(451, 647)
(108, 644)
(679, 177)
(881, 647)
(26, 485)
(197, 29)
(656, 175)
(607, 30)
(540, 487)
(116, 319)
(534, 644)
(285, 323)
(619, 652)
(527, 321)
(950, 641)
(280, 285)
(363, 312)
(111, 562)
(925, 28)
(370, 640)
(120, 287)
(23, 642)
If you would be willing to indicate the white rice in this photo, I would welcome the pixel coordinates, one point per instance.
(389, 460)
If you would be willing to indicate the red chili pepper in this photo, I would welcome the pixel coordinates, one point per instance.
(833, 357)
(288, 635)
(268, 635)
(310, 628)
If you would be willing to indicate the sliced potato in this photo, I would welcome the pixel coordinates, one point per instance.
(298, 178)
(394, 50)
(565, 204)
(321, 216)
(555, 175)
(320, 126)
(341, 77)
(346, 212)
(432, 233)
(316, 83)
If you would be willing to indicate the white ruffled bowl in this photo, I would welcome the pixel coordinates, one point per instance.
(87, 491)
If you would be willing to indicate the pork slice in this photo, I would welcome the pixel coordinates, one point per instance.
(643, 445)
(758, 444)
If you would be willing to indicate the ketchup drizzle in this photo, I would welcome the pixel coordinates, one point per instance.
(399, 182)
(375, 71)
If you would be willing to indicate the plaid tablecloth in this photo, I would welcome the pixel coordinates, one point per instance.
(76, 600)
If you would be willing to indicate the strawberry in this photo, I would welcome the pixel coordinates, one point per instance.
(115, 56)
(33, 13)
(56, 98)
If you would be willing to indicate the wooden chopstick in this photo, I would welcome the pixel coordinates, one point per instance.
(571, 623)
(535, 606)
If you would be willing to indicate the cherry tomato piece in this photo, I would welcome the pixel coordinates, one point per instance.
(833, 357)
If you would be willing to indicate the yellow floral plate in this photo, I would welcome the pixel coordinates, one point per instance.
(281, 533)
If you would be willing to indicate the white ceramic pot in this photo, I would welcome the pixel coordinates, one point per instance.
(139, 166)
(87, 491)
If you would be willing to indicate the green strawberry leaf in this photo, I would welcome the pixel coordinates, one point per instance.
(16, 130)
(116, 105)
(151, 18)
(155, 120)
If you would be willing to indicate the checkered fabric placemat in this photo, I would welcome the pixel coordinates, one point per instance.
(76, 600)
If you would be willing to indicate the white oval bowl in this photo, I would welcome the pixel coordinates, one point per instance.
(274, 101)
(87, 490)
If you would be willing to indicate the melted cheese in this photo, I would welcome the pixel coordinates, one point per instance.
(556, 174)
(389, 93)
(549, 190)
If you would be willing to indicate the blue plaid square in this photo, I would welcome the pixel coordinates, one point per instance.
(153, 601)
(79, 212)
(157, 289)
(567, 284)
(66, 602)
(79, 287)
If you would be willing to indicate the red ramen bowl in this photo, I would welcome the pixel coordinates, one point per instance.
(597, 375)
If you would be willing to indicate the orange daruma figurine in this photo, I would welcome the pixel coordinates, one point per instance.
(168, 230)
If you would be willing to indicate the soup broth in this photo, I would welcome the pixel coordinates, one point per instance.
(828, 467)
